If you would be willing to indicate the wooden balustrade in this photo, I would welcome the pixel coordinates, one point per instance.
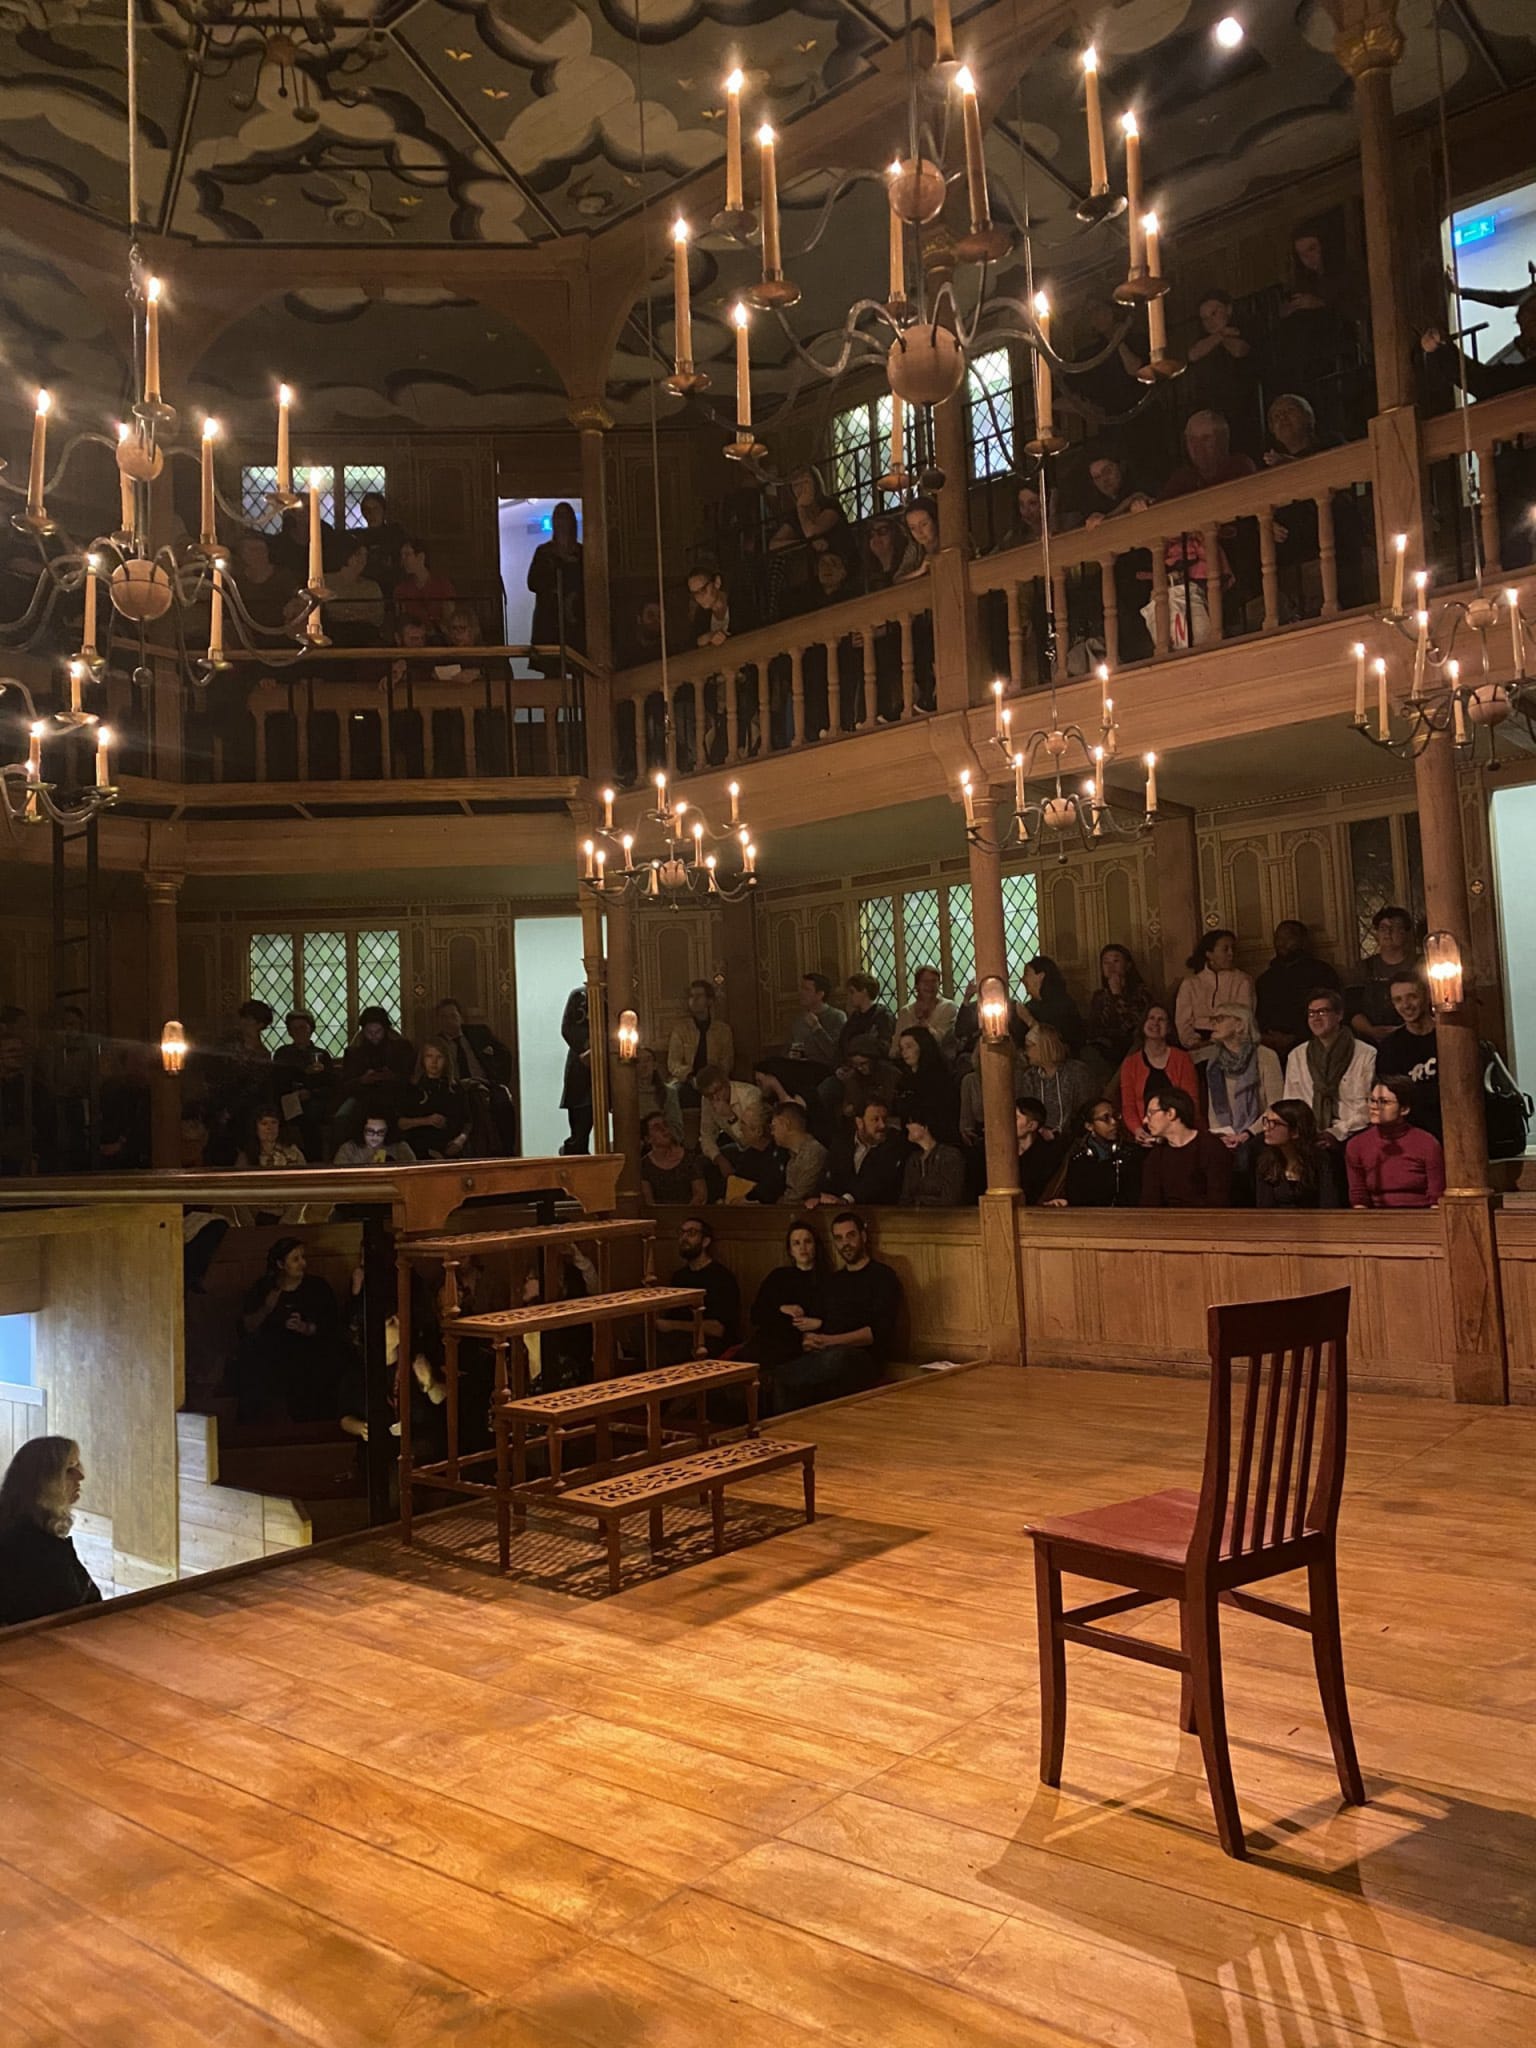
(1485, 427)
(779, 687)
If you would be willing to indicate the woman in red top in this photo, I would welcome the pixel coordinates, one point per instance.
(1154, 1061)
(1392, 1164)
(421, 593)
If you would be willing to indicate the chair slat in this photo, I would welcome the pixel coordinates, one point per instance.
(1239, 1493)
(1299, 1365)
(1275, 1380)
(1304, 1462)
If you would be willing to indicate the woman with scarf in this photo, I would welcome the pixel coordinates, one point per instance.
(1333, 1070)
(1242, 1079)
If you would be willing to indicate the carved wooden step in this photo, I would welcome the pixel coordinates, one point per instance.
(630, 1390)
(503, 1323)
(582, 1230)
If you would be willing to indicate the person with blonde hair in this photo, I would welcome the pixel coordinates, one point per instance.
(40, 1570)
(1051, 1075)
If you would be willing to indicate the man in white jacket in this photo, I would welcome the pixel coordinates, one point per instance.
(722, 1103)
(1332, 1070)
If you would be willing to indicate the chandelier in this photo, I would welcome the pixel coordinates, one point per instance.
(1071, 802)
(1448, 650)
(677, 863)
(27, 796)
(287, 38)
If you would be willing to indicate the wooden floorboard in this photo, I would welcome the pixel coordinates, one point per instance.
(787, 1797)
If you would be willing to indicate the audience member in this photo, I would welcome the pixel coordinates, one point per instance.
(709, 609)
(376, 1067)
(1331, 1073)
(124, 1125)
(890, 553)
(1186, 1168)
(926, 1088)
(805, 1158)
(787, 1306)
(723, 1104)
(1214, 978)
(1209, 457)
(1412, 1049)
(1316, 334)
(1393, 1164)
(1283, 989)
(935, 1012)
(1028, 526)
(864, 1160)
(1294, 1169)
(813, 1036)
(474, 1051)
(269, 1147)
(420, 592)
(353, 614)
(1104, 492)
(559, 593)
(1156, 1060)
(385, 537)
(701, 1040)
(932, 1174)
(812, 515)
(576, 1088)
(866, 1069)
(698, 1267)
(1371, 1014)
(433, 1117)
(653, 1090)
(1223, 374)
(1047, 1000)
(291, 1354)
(1242, 1077)
(1109, 391)
(1445, 364)
(267, 593)
(866, 1017)
(922, 523)
(848, 1343)
(1293, 436)
(752, 1164)
(376, 1147)
(669, 1172)
(1039, 1151)
(1117, 1007)
(1103, 1167)
(303, 1073)
(40, 1569)
(1050, 1075)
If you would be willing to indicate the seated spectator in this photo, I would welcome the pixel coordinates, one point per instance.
(805, 1158)
(1294, 1170)
(1283, 989)
(866, 1016)
(1050, 1075)
(926, 1088)
(1393, 1164)
(385, 537)
(709, 615)
(40, 1569)
(922, 523)
(303, 1072)
(434, 1119)
(1332, 1072)
(655, 1095)
(376, 1147)
(1370, 1010)
(775, 1077)
(1116, 1008)
(1214, 979)
(866, 1070)
(559, 593)
(1293, 432)
(1413, 1048)
(698, 1267)
(833, 578)
(935, 1012)
(1104, 493)
(354, 612)
(973, 1115)
(1223, 373)
(1186, 1168)
(813, 1037)
(669, 1172)
(1156, 1060)
(812, 515)
(1103, 1166)
(932, 1174)
(292, 1352)
(1039, 1149)
(268, 593)
(723, 1104)
(1316, 336)
(787, 1306)
(269, 1146)
(752, 1164)
(890, 553)
(846, 1345)
(420, 593)
(864, 1160)
(1209, 458)
(1294, 435)
(1242, 1077)
(474, 1051)
(701, 1040)
(645, 639)
(1048, 1001)
(1028, 526)
(376, 1067)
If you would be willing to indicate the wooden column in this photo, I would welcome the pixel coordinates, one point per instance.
(594, 967)
(592, 421)
(998, 1211)
(623, 994)
(1176, 864)
(160, 894)
(1478, 1362)
(1368, 46)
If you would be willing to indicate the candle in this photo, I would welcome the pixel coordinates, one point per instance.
(743, 375)
(967, 798)
(1399, 551)
(898, 437)
(710, 864)
(92, 565)
(772, 265)
(1132, 134)
(39, 454)
(682, 305)
(216, 617)
(898, 291)
(661, 794)
(608, 796)
(210, 435)
(76, 680)
(1383, 714)
(590, 851)
(1157, 325)
(975, 162)
(316, 550)
(733, 87)
(35, 750)
(749, 855)
(1018, 785)
(1103, 673)
(103, 767)
(698, 839)
(1359, 651)
(1151, 766)
(943, 33)
(127, 515)
(1420, 651)
(152, 341)
(1516, 631)
(1044, 384)
(601, 876)
(997, 709)
(629, 853)
(1098, 169)
(733, 791)
(1458, 702)
(284, 461)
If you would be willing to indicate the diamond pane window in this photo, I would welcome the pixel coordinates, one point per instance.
(360, 479)
(962, 939)
(1021, 922)
(855, 442)
(257, 483)
(989, 393)
(325, 986)
(378, 972)
(877, 941)
(271, 970)
(921, 940)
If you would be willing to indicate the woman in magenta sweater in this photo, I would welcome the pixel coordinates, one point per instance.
(1392, 1164)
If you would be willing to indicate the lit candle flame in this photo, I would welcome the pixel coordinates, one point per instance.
(739, 314)
(736, 81)
(964, 79)
(1128, 124)
(1042, 305)
(284, 395)
(1090, 58)
(210, 430)
(679, 231)
(152, 291)
(44, 404)
(766, 137)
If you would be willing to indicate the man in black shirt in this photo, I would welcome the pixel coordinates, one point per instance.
(848, 1344)
(722, 1297)
(1370, 1005)
(1410, 1051)
(1284, 987)
(865, 1159)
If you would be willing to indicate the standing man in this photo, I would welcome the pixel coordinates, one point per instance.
(722, 1297)
(1371, 1014)
(702, 1040)
(1284, 987)
(928, 1007)
(814, 1033)
(849, 1342)
(576, 1095)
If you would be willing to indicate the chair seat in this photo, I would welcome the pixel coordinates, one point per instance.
(1156, 1525)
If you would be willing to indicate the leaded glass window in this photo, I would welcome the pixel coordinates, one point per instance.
(877, 941)
(962, 938)
(271, 964)
(855, 456)
(325, 986)
(332, 974)
(1021, 921)
(359, 480)
(921, 940)
(989, 396)
(378, 971)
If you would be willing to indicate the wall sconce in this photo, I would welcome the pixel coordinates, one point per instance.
(1442, 964)
(628, 1035)
(992, 1009)
(173, 1047)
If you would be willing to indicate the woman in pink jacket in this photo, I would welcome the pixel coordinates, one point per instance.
(1392, 1163)
(1155, 1062)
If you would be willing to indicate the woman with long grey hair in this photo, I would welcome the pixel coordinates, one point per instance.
(40, 1572)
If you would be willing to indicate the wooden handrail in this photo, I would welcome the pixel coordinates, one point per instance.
(1486, 422)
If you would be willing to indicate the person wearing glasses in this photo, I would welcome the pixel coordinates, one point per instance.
(1295, 1170)
(1393, 1163)
(1187, 1168)
(1103, 1169)
(1332, 1072)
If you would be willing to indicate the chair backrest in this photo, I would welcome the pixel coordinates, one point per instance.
(1274, 1456)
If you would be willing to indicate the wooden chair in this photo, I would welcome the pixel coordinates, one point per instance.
(1269, 1504)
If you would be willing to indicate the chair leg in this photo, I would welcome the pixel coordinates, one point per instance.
(1187, 1681)
(1328, 1657)
(1204, 1634)
(615, 1565)
(1053, 1666)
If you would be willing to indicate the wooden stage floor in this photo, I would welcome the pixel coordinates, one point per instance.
(787, 1798)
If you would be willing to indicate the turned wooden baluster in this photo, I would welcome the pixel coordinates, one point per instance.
(1488, 489)
(1063, 625)
(1160, 639)
(730, 684)
(908, 702)
(867, 694)
(1327, 554)
(797, 695)
(1212, 542)
(1110, 598)
(1015, 608)
(1269, 574)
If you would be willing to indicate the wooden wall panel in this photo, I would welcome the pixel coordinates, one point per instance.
(23, 1415)
(1515, 1235)
(21, 1276)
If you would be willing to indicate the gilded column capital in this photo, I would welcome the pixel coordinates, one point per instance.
(1374, 45)
(590, 416)
(163, 888)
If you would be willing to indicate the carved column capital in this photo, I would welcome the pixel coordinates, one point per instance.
(163, 889)
(1372, 45)
(590, 416)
